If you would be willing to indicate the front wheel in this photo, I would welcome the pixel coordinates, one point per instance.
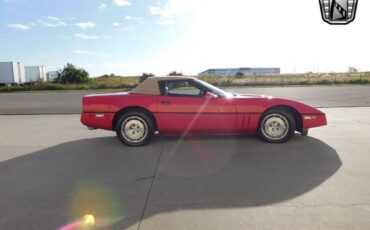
(277, 126)
(134, 129)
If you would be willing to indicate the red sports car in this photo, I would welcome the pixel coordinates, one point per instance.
(188, 106)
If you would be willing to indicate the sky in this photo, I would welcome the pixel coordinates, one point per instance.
(129, 37)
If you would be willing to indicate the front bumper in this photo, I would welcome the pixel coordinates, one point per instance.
(313, 120)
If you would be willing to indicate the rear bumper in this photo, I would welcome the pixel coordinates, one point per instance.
(313, 120)
(98, 120)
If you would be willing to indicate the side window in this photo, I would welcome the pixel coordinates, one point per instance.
(180, 88)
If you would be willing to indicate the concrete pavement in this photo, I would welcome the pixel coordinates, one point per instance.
(53, 171)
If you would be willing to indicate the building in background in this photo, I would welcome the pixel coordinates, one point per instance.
(12, 73)
(52, 75)
(241, 71)
(35, 73)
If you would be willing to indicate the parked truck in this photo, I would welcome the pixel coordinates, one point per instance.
(52, 75)
(35, 73)
(12, 73)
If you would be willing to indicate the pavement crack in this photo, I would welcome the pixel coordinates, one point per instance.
(144, 178)
(151, 184)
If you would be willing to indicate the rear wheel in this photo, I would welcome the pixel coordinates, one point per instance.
(277, 126)
(135, 129)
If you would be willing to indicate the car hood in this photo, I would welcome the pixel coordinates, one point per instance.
(261, 103)
(252, 96)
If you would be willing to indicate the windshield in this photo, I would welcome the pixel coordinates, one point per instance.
(214, 89)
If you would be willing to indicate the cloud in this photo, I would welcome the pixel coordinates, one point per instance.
(120, 26)
(129, 27)
(133, 18)
(86, 37)
(125, 25)
(155, 10)
(69, 18)
(102, 6)
(82, 52)
(122, 3)
(14, 1)
(86, 25)
(53, 18)
(175, 9)
(54, 25)
(19, 27)
(167, 22)
(53, 22)
(104, 55)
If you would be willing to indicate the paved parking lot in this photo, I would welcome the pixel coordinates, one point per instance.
(53, 171)
(70, 102)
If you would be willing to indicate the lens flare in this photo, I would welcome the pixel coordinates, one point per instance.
(88, 220)
(94, 206)
(94, 202)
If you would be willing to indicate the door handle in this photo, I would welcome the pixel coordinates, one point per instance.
(166, 103)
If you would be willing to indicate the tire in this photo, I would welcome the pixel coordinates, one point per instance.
(135, 128)
(277, 126)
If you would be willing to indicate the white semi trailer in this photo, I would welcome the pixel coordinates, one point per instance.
(12, 73)
(52, 75)
(35, 73)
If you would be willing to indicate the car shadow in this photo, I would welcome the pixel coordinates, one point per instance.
(55, 187)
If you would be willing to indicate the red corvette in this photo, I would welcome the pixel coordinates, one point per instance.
(188, 106)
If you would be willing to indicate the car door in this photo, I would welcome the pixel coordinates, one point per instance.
(183, 109)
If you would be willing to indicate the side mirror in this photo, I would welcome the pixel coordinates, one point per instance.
(209, 95)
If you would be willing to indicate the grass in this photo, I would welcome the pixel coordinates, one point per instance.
(110, 82)
(290, 79)
(125, 83)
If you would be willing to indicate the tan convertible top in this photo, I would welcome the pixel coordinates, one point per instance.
(150, 85)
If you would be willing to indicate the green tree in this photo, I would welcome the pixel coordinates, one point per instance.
(144, 76)
(70, 74)
(352, 69)
(239, 74)
(175, 73)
